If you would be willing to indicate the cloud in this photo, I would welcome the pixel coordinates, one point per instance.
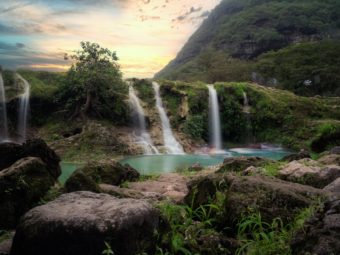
(187, 14)
(11, 47)
(14, 7)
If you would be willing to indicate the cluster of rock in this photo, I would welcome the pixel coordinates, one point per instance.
(26, 173)
(97, 213)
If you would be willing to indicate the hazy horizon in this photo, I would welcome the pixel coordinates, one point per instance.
(146, 34)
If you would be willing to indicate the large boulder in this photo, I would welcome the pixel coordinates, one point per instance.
(270, 196)
(87, 177)
(309, 172)
(238, 164)
(330, 159)
(82, 222)
(10, 153)
(321, 234)
(22, 185)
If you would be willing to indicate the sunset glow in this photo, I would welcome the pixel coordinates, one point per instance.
(146, 34)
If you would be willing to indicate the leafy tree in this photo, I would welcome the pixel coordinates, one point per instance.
(93, 86)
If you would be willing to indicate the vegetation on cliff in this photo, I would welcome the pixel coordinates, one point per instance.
(227, 45)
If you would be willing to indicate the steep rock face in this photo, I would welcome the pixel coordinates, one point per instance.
(81, 223)
(10, 153)
(321, 234)
(245, 29)
(21, 187)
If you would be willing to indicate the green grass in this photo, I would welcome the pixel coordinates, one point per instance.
(261, 238)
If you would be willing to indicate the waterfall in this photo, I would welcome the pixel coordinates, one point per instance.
(170, 142)
(246, 108)
(214, 120)
(246, 111)
(138, 117)
(3, 112)
(23, 109)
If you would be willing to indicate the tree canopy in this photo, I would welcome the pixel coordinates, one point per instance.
(93, 86)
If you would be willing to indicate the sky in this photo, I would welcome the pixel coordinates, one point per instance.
(146, 34)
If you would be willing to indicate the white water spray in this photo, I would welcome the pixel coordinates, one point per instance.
(23, 109)
(214, 120)
(3, 112)
(171, 144)
(142, 136)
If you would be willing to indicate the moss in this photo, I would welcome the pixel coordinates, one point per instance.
(79, 181)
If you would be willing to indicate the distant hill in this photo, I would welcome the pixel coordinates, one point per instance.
(230, 42)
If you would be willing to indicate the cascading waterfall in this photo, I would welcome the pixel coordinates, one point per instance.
(214, 120)
(138, 117)
(171, 144)
(23, 109)
(246, 111)
(3, 112)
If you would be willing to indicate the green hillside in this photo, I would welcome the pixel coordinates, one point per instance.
(237, 33)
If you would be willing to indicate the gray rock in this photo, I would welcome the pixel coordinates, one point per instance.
(111, 172)
(81, 223)
(5, 245)
(334, 186)
(309, 172)
(22, 185)
(335, 150)
(320, 234)
(238, 164)
(297, 156)
(330, 159)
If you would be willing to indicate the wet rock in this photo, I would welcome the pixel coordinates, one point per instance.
(10, 153)
(81, 223)
(238, 164)
(22, 185)
(309, 172)
(297, 156)
(334, 186)
(320, 234)
(330, 159)
(270, 196)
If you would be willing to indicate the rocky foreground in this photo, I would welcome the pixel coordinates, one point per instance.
(107, 208)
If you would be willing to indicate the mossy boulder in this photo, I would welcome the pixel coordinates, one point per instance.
(238, 164)
(84, 223)
(11, 152)
(22, 185)
(79, 181)
(92, 174)
(245, 194)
